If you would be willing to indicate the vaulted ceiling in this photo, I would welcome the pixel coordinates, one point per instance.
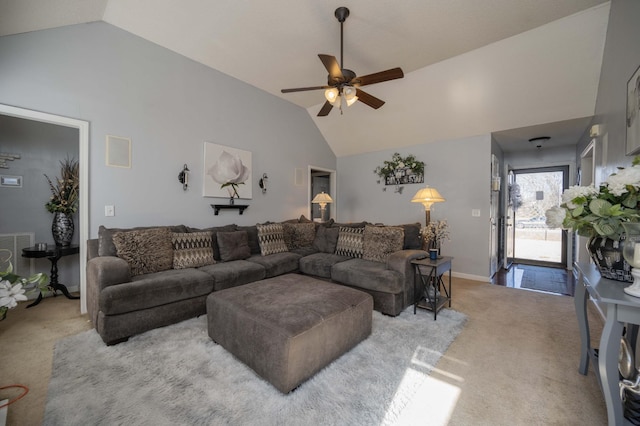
(471, 67)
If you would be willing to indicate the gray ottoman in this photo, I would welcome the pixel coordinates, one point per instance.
(289, 327)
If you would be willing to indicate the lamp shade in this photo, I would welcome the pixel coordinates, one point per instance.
(322, 198)
(331, 94)
(427, 196)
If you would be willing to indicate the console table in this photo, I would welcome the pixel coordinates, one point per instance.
(432, 278)
(621, 308)
(53, 253)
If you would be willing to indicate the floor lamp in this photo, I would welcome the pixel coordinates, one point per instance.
(322, 199)
(427, 196)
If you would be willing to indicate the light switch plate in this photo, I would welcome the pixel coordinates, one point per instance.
(109, 211)
(475, 212)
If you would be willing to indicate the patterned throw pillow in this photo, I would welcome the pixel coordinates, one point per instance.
(145, 250)
(298, 235)
(380, 241)
(271, 238)
(350, 242)
(192, 249)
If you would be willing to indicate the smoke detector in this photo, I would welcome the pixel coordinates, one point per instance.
(539, 141)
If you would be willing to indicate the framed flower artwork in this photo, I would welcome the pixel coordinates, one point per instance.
(227, 172)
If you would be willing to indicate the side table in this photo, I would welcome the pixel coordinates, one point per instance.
(53, 253)
(428, 273)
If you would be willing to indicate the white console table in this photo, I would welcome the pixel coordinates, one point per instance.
(620, 309)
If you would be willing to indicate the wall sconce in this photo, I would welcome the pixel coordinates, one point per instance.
(183, 177)
(263, 183)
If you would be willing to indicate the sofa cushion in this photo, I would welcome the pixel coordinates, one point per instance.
(252, 237)
(145, 250)
(233, 245)
(319, 264)
(271, 238)
(277, 263)
(380, 241)
(156, 289)
(106, 247)
(412, 237)
(297, 235)
(326, 239)
(191, 249)
(350, 241)
(367, 275)
(214, 240)
(234, 273)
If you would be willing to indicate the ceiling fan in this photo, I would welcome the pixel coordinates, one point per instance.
(343, 84)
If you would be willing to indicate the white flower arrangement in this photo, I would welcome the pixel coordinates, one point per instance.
(592, 211)
(435, 233)
(12, 286)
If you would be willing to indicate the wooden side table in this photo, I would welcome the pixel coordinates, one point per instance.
(428, 273)
(53, 253)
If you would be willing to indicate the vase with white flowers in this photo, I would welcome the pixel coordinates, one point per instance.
(598, 213)
(434, 234)
(13, 288)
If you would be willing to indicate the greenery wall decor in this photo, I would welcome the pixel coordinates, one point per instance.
(400, 171)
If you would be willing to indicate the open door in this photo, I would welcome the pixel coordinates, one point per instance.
(509, 219)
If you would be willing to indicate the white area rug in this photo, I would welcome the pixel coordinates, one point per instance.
(177, 376)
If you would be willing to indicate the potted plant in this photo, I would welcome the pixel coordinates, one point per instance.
(598, 213)
(64, 201)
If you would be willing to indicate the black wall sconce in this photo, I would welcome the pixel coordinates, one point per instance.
(183, 177)
(263, 183)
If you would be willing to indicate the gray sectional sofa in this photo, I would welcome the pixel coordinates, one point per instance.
(136, 281)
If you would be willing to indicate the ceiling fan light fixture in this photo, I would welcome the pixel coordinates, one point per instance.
(349, 93)
(351, 101)
(331, 94)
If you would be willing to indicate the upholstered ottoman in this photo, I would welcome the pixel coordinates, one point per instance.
(288, 327)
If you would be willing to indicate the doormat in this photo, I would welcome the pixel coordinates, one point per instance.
(549, 281)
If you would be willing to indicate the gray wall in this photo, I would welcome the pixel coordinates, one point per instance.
(459, 169)
(169, 106)
(41, 146)
(621, 59)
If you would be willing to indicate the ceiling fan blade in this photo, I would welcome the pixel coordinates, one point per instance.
(368, 99)
(331, 64)
(326, 109)
(378, 77)
(303, 89)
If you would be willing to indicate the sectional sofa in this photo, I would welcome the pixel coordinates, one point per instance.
(139, 279)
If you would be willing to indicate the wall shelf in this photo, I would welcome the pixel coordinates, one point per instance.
(217, 207)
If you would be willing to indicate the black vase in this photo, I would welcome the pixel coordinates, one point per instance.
(607, 256)
(62, 228)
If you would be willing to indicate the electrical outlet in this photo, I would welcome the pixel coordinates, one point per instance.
(475, 212)
(109, 211)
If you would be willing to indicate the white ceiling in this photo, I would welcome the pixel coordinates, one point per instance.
(274, 45)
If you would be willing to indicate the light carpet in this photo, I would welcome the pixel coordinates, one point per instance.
(177, 375)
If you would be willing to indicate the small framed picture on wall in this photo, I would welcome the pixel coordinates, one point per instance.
(633, 113)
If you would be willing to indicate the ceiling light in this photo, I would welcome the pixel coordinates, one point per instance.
(539, 141)
(349, 93)
(331, 94)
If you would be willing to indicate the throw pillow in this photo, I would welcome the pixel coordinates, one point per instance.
(192, 249)
(271, 238)
(350, 242)
(412, 237)
(106, 247)
(252, 235)
(380, 241)
(145, 250)
(213, 231)
(326, 239)
(298, 235)
(233, 245)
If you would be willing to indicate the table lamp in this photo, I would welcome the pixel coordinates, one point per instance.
(322, 199)
(427, 196)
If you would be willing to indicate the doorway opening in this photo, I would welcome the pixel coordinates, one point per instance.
(322, 180)
(83, 149)
(539, 190)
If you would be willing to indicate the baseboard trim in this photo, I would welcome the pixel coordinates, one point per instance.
(471, 277)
